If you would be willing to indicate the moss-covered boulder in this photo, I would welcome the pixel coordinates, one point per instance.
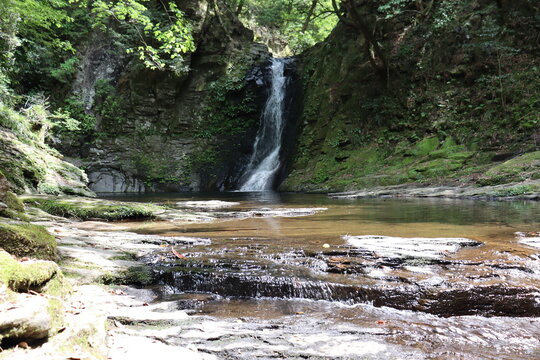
(519, 168)
(33, 275)
(29, 317)
(89, 208)
(23, 239)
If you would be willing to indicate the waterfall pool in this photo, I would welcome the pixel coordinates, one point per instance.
(307, 276)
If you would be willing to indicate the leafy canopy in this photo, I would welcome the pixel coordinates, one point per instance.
(160, 44)
(290, 25)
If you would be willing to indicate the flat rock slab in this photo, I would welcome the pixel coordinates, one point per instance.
(398, 247)
(454, 192)
(26, 319)
(211, 204)
(122, 346)
(273, 212)
(529, 239)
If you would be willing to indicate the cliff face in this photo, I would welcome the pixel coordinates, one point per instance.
(27, 163)
(449, 95)
(159, 131)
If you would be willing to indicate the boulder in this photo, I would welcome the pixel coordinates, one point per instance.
(27, 319)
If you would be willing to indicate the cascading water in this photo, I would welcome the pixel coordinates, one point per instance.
(264, 162)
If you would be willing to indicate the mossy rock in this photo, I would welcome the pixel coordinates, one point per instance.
(29, 275)
(15, 207)
(517, 169)
(438, 167)
(85, 208)
(28, 240)
(517, 190)
(135, 275)
(13, 202)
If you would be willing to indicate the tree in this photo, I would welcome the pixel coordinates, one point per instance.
(159, 44)
(297, 23)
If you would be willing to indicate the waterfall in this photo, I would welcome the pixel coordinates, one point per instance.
(264, 162)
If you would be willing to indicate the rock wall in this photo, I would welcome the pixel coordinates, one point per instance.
(458, 96)
(28, 164)
(152, 137)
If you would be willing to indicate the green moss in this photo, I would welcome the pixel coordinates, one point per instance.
(517, 169)
(84, 209)
(15, 207)
(437, 167)
(28, 240)
(425, 146)
(25, 276)
(49, 189)
(125, 256)
(135, 275)
(517, 191)
(13, 202)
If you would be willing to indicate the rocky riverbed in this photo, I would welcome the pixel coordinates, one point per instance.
(203, 291)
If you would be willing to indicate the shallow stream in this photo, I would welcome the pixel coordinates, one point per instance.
(297, 276)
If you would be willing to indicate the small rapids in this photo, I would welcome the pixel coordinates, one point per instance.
(302, 276)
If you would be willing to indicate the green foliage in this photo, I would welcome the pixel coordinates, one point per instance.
(293, 22)
(393, 8)
(159, 44)
(64, 73)
(8, 43)
(445, 14)
(109, 107)
(73, 118)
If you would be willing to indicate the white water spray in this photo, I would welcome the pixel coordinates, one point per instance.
(264, 162)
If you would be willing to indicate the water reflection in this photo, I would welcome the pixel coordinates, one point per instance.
(264, 197)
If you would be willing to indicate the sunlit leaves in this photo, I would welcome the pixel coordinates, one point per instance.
(159, 45)
(291, 21)
(392, 8)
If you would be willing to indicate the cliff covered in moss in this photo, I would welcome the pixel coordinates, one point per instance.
(27, 163)
(438, 92)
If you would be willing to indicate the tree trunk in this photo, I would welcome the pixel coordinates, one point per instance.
(240, 7)
(309, 15)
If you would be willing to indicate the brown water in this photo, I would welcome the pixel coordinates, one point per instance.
(259, 267)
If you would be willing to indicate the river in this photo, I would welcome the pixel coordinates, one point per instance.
(307, 276)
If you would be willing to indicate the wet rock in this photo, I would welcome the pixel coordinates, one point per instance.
(397, 247)
(162, 313)
(273, 212)
(529, 238)
(211, 204)
(125, 346)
